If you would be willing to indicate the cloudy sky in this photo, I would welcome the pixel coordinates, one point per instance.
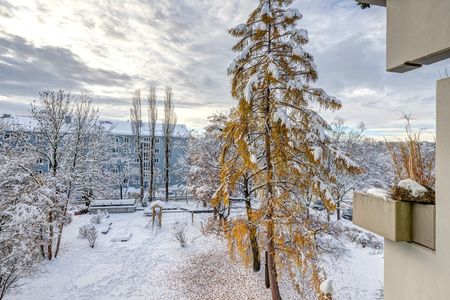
(109, 48)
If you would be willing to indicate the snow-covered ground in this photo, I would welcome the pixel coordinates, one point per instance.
(152, 265)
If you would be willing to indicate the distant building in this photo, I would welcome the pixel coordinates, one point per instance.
(122, 146)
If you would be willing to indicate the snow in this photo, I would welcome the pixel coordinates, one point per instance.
(378, 192)
(293, 13)
(249, 87)
(157, 203)
(273, 69)
(326, 287)
(298, 51)
(152, 265)
(317, 153)
(415, 188)
(124, 237)
(265, 10)
(118, 127)
(300, 33)
(281, 115)
(108, 202)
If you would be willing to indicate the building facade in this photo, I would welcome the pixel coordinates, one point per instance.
(122, 147)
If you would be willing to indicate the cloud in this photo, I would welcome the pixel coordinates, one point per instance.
(26, 69)
(111, 48)
(6, 9)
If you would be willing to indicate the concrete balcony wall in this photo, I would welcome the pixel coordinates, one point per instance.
(412, 272)
(397, 221)
(418, 33)
(386, 217)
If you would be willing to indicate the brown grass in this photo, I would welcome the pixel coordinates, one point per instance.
(410, 161)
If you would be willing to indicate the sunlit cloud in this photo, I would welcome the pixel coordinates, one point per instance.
(108, 49)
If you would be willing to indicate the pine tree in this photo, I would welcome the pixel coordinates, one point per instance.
(281, 140)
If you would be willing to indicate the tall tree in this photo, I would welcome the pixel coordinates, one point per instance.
(136, 128)
(53, 131)
(170, 121)
(280, 137)
(81, 146)
(152, 118)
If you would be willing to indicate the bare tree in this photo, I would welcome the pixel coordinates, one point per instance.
(170, 120)
(152, 118)
(53, 128)
(136, 127)
(83, 124)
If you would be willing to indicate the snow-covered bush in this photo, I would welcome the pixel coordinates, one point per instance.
(25, 201)
(365, 239)
(180, 235)
(88, 232)
(97, 218)
(83, 230)
(91, 236)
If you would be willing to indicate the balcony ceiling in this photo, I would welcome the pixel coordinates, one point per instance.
(373, 2)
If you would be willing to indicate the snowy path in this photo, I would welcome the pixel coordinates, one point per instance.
(152, 265)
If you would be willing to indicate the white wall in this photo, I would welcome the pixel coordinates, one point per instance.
(412, 272)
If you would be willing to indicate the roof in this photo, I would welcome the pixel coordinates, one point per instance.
(117, 127)
(157, 203)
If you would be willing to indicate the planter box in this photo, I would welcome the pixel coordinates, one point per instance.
(424, 225)
(386, 217)
(396, 220)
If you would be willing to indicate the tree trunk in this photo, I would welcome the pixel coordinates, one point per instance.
(141, 175)
(60, 230)
(42, 243)
(266, 272)
(166, 167)
(253, 237)
(50, 244)
(271, 264)
(152, 166)
(338, 210)
(121, 191)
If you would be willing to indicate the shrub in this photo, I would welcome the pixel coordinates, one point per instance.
(82, 231)
(97, 219)
(91, 235)
(180, 235)
(411, 160)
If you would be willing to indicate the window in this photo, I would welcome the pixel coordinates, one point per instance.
(156, 160)
(39, 171)
(156, 150)
(146, 139)
(40, 161)
(126, 139)
(136, 159)
(6, 136)
(117, 140)
(156, 141)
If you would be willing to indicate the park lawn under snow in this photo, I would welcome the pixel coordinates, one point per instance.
(152, 265)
